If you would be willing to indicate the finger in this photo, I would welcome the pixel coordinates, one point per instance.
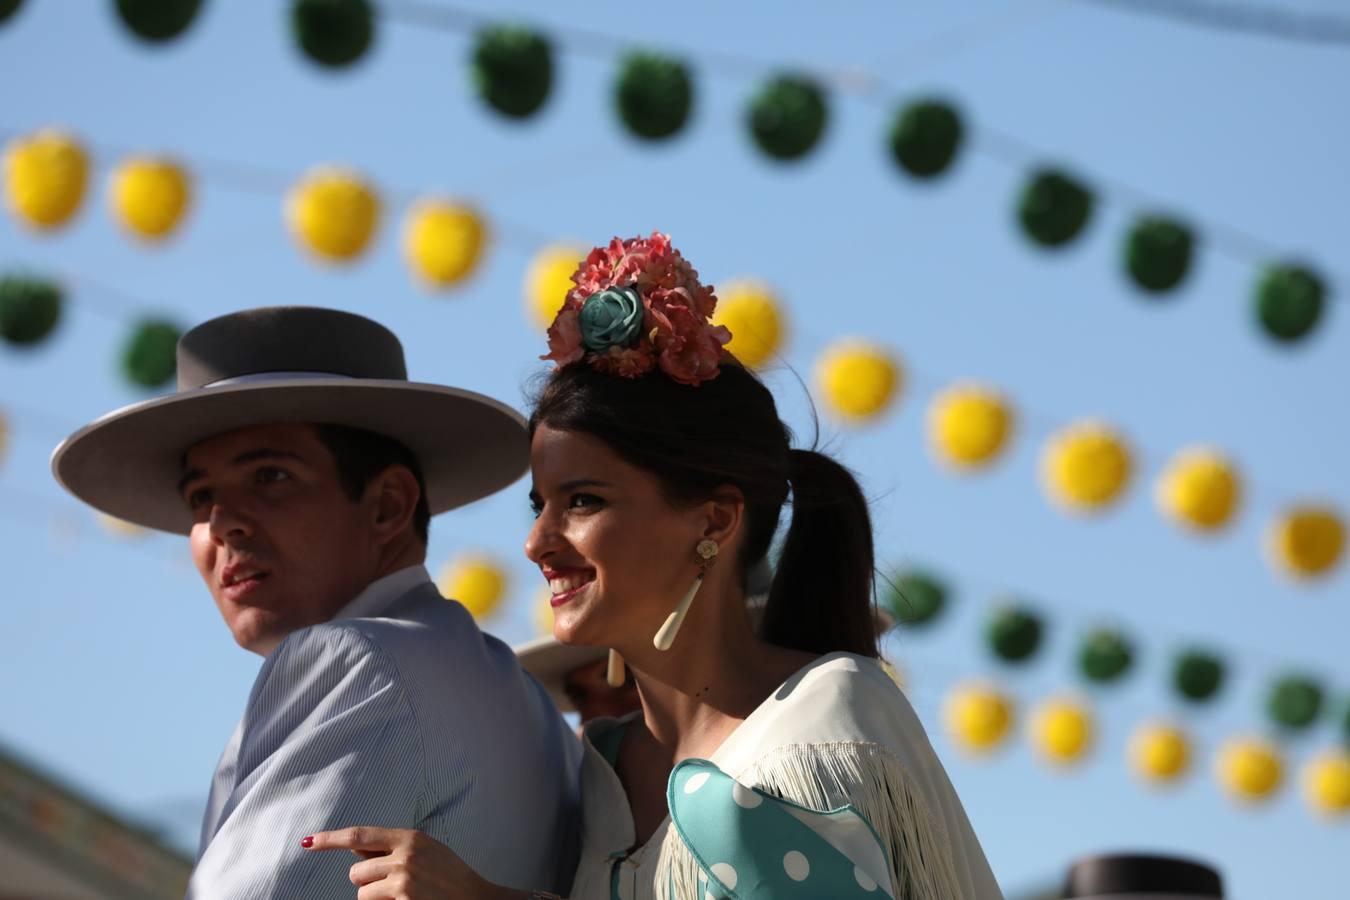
(376, 891)
(364, 873)
(380, 840)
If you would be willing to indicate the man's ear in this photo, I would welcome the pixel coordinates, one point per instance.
(393, 496)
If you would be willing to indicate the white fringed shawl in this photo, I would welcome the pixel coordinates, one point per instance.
(838, 732)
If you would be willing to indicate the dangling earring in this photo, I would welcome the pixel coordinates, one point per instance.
(614, 674)
(707, 554)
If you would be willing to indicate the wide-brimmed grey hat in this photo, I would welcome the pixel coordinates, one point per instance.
(290, 364)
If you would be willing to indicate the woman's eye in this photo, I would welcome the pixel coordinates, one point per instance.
(581, 501)
(536, 508)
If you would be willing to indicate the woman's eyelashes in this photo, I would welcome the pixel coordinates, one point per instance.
(577, 502)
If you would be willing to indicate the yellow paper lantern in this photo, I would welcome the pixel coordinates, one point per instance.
(333, 213)
(443, 242)
(1160, 753)
(1086, 466)
(1199, 489)
(4, 437)
(120, 528)
(1307, 541)
(978, 717)
(968, 426)
(858, 380)
(475, 581)
(1250, 769)
(45, 176)
(1326, 782)
(548, 281)
(149, 196)
(543, 612)
(751, 312)
(1062, 731)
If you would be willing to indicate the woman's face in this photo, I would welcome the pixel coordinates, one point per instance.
(618, 556)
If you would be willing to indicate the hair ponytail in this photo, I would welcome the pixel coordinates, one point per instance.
(821, 598)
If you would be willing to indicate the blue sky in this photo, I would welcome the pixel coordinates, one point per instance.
(123, 681)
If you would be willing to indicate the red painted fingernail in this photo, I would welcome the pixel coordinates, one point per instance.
(307, 842)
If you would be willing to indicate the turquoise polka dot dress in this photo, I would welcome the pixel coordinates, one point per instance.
(753, 846)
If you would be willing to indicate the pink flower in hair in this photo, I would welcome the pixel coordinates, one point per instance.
(676, 333)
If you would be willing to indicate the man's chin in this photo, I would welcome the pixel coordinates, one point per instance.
(257, 630)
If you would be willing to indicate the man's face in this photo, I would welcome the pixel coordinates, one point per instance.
(278, 542)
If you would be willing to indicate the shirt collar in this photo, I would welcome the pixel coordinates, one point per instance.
(380, 594)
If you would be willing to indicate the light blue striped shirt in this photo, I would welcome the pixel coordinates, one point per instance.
(397, 713)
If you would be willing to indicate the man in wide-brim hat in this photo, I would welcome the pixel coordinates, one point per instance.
(305, 466)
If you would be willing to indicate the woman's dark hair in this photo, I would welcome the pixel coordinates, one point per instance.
(726, 431)
(361, 455)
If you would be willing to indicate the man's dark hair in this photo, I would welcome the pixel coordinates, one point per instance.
(361, 455)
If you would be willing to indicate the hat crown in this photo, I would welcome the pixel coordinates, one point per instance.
(1142, 875)
(288, 339)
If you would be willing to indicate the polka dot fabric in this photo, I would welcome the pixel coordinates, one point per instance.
(753, 846)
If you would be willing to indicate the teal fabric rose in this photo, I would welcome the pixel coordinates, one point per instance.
(611, 318)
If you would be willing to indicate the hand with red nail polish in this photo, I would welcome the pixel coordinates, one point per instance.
(399, 864)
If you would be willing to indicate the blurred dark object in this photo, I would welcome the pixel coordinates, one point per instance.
(787, 117)
(333, 33)
(654, 95)
(1295, 701)
(925, 138)
(158, 20)
(1158, 253)
(1149, 877)
(30, 309)
(1054, 208)
(1198, 675)
(9, 8)
(1289, 302)
(1106, 655)
(1014, 634)
(151, 356)
(916, 598)
(513, 69)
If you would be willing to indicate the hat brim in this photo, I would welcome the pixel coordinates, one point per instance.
(128, 463)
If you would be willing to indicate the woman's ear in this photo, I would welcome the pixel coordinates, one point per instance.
(393, 495)
(725, 513)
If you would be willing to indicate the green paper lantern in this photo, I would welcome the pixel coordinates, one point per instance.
(1158, 253)
(9, 8)
(925, 138)
(787, 117)
(1289, 302)
(1198, 675)
(654, 95)
(1105, 656)
(30, 309)
(150, 357)
(1014, 634)
(333, 33)
(513, 70)
(1345, 727)
(1054, 208)
(916, 598)
(1294, 701)
(158, 20)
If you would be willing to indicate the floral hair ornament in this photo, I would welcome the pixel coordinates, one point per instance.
(637, 306)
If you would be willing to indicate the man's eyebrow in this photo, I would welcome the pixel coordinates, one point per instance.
(243, 458)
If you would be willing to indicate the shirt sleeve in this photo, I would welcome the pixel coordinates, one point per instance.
(328, 740)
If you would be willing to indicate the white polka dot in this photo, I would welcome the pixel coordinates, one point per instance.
(796, 865)
(864, 880)
(744, 797)
(725, 874)
(696, 781)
